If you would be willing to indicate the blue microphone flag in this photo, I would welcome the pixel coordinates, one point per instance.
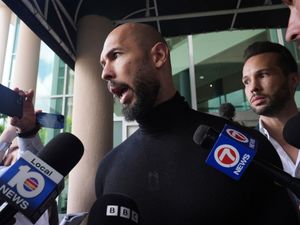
(29, 184)
(232, 152)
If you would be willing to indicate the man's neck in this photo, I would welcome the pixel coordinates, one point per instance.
(275, 125)
(280, 118)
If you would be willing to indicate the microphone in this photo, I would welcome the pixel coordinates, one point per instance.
(209, 138)
(34, 181)
(291, 131)
(111, 209)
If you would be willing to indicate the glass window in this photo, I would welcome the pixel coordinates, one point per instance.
(70, 81)
(237, 99)
(117, 133)
(218, 59)
(59, 77)
(213, 104)
(68, 114)
(180, 65)
(50, 105)
(45, 72)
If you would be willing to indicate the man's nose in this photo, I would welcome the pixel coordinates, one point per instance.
(253, 86)
(293, 29)
(107, 73)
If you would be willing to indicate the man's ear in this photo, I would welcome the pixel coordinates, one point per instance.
(159, 54)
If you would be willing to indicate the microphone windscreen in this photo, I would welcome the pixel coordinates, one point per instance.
(200, 134)
(114, 209)
(205, 136)
(291, 131)
(62, 152)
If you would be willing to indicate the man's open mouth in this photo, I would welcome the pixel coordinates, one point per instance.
(120, 91)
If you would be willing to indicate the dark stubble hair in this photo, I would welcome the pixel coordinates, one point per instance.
(146, 89)
(277, 101)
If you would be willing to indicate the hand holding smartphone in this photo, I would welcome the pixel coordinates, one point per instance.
(11, 103)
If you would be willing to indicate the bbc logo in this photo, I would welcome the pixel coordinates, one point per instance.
(121, 211)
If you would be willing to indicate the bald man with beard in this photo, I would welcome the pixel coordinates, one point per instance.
(159, 166)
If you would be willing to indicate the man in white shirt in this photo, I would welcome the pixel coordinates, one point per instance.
(270, 77)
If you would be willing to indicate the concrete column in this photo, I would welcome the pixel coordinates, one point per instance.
(27, 59)
(5, 15)
(92, 119)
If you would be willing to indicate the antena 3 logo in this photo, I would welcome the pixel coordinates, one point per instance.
(28, 182)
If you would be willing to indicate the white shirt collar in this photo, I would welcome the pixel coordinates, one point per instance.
(287, 163)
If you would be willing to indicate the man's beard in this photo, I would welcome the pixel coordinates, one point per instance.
(277, 101)
(146, 91)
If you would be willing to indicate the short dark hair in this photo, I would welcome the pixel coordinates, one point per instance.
(227, 110)
(286, 61)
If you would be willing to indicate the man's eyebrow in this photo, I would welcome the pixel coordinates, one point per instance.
(244, 77)
(111, 51)
(108, 53)
(269, 69)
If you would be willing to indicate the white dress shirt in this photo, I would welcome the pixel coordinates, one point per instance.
(288, 165)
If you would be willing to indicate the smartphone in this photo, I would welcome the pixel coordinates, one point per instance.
(11, 103)
(50, 120)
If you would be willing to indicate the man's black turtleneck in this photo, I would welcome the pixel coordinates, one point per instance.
(164, 171)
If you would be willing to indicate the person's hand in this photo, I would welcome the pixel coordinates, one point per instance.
(11, 156)
(28, 121)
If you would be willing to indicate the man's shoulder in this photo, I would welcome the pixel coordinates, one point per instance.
(204, 118)
(123, 146)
